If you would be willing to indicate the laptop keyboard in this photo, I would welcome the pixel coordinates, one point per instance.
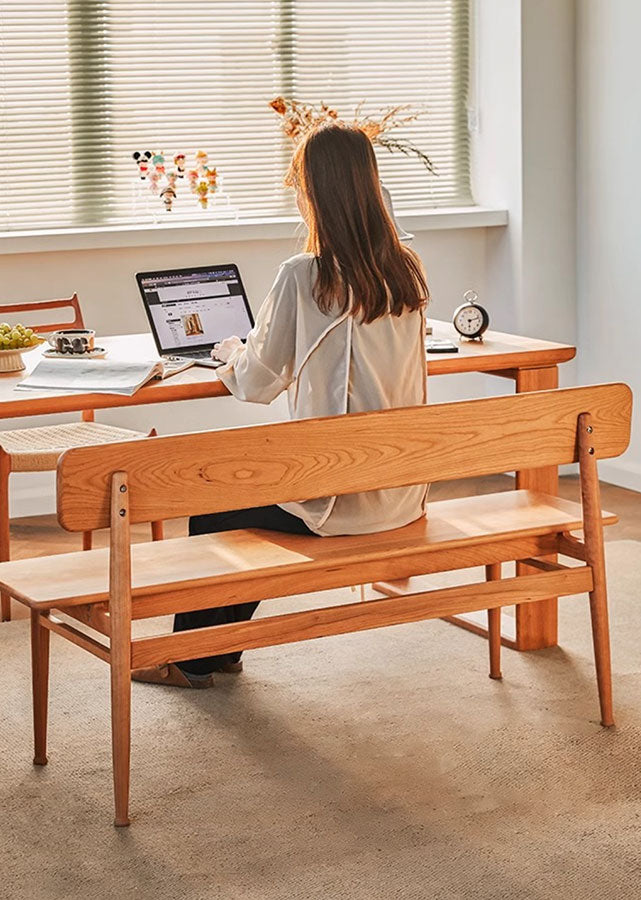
(198, 354)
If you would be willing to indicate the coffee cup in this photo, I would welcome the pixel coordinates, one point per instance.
(72, 340)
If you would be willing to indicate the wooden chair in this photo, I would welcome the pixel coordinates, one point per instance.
(197, 473)
(38, 449)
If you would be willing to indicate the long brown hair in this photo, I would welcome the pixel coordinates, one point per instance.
(362, 265)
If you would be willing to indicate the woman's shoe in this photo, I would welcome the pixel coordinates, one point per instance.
(230, 668)
(172, 675)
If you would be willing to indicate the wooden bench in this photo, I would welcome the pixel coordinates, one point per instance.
(158, 478)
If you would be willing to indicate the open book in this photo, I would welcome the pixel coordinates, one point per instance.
(96, 376)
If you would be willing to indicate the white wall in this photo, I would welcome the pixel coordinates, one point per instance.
(524, 160)
(609, 206)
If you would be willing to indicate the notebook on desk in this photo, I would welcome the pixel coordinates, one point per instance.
(189, 310)
(100, 376)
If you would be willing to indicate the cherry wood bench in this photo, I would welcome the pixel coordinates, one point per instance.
(165, 477)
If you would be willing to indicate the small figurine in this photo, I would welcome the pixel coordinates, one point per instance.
(179, 162)
(158, 161)
(201, 161)
(168, 195)
(142, 161)
(212, 179)
(154, 178)
(202, 189)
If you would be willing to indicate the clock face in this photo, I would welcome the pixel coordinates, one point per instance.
(469, 321)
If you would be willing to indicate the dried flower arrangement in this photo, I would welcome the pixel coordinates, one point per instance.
(299, 118)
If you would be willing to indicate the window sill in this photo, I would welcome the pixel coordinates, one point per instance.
(247, 230)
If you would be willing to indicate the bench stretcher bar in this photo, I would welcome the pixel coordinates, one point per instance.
(352, 617)
(76, 637)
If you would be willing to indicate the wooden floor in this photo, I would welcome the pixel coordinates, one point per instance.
(41, 535)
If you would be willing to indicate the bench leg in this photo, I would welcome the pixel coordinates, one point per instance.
(595, 558)
(5, 469)
(40, 685)
(120, 644)
(87, 540)
(121, 738)
(493, 573)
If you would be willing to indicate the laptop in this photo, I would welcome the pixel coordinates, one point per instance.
(189, 310)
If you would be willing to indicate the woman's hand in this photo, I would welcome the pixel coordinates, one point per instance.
(225, 349)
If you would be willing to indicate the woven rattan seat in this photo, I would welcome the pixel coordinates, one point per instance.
(38, 449)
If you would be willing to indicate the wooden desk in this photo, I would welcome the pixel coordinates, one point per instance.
(530, 363)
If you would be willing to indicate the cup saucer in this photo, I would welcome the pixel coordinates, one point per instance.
(96, 353)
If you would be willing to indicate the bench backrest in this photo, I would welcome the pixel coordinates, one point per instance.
(190, 474)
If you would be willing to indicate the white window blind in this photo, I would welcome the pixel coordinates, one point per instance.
(84, 83)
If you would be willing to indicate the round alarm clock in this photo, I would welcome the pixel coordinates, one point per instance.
(470, 319)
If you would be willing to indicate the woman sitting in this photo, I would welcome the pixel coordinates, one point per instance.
(342, 331)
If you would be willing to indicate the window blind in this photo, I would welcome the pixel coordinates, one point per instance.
(85, 83)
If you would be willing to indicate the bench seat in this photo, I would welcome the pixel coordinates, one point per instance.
(253, 564)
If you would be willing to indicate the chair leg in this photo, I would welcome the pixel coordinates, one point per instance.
(493, 573)
(87, 540)
(157, 531)
(5, 470)
(40, 685)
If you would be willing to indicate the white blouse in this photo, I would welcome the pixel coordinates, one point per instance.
(332, 364)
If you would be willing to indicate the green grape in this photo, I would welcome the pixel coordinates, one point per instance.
(29, 332)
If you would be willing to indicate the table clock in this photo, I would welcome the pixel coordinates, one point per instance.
(470, 319)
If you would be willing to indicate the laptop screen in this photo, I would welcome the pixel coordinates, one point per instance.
(190, 309)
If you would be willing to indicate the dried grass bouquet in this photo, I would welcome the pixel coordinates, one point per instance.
(299, 118)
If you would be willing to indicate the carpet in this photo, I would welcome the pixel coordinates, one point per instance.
(378, 765)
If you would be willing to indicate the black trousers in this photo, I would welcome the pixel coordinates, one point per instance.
(272, 518)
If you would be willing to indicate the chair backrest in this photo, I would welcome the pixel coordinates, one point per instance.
(190, 474)
(36, 307)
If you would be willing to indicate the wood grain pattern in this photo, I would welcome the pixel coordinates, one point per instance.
(79, 638)
(242, 467)
(237, 566)
(595, 559)
(572, 547)
(493, 573)
(38, 306)
(95, 616)
(120, 652)
(310, 624)
(498, 352)
(39, 684)
(5, 536)
(537, 624)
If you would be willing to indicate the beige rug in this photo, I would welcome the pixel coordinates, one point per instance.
(379, 765)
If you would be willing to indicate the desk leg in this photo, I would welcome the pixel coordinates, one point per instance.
(537, 623)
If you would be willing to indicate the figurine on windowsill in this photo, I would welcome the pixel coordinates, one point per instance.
(203, 180)
(142, 161)
(179, 162)
(168, 195)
